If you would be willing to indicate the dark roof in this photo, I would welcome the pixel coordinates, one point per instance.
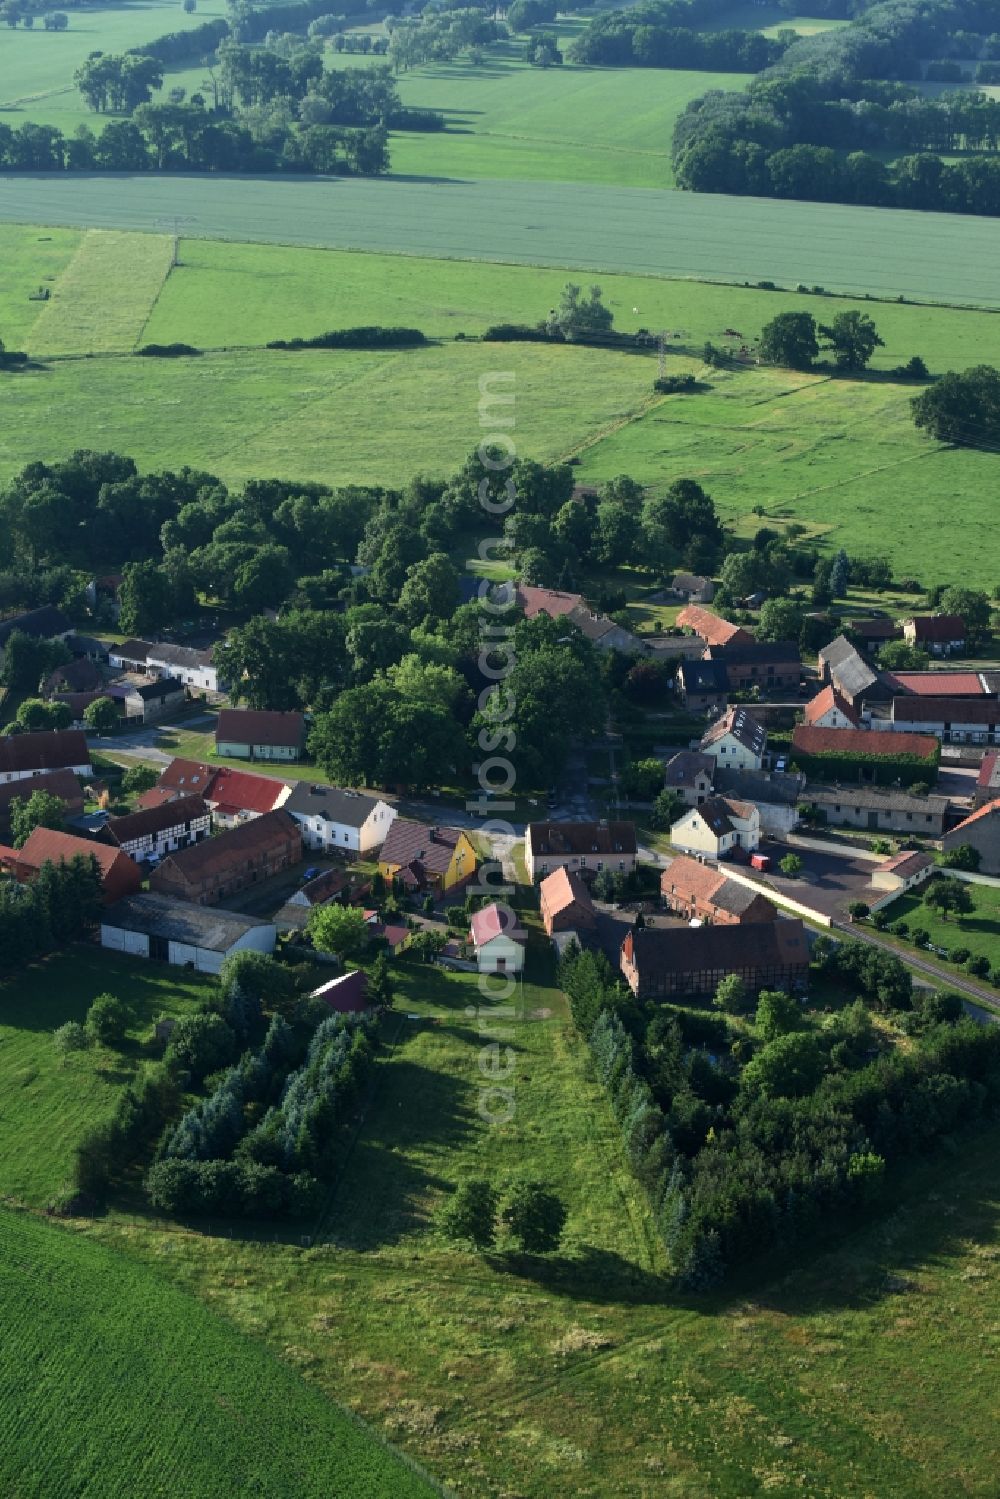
(561, 838)
(42, 624)
(807, 740)
(180, 921)
(704, 676)
(777, 787)
(938, 627)
(847, 667)
(758, 652)
(61, 783)
(47, 750)
(717, 812)
(260, 726)
(131, 650)
(736, 898)
(415, 844)
(158, 687)
(152, 820)
(982, 710)
(178, 655)
(876, 629)
(351, 808)
(80, 675)
(745, 729)
(875, 798)
(684, 768)
(679, 950)
(216, 855)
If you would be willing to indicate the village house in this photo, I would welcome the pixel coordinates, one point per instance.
(736, 741)
(256, 734)
(698, 892)
(434, 859)
(334, 819)
(153, 832)
(875, 633)
(145, 701)
(670, 963)
(775, 793)
(60, 783)
(565, 903)
(692, 587)
(603, 633)
(587, 847)
(183, 776)
(167, 930)
(903, 872)
(770, 665)
(952, 720)
(26, 755)
(191, 667)
(828, 710)
(840, 753)
(46, 623)
(319, 891)
(874, 809)
(229, 862)
(690, 774)
(551, 601)
(717, 827)
(237, 796)
(988, 780)
(980, 831)
(79, 675)
(119, 875)
(347, 994)
(940, 634)
(498, 939)
(711, 628)
(843, 666)
(702, 686)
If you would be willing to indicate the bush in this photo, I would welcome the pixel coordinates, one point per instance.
(920, 936)
(900, 929)
(978, 966)
(108, 1020)
(960, 955)
(669, 385)
(70, 1037)
(355, 338)
(168, 351)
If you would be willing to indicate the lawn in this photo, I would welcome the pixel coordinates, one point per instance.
(104, 296)
(48, 1104)
(31, 258)
(116, 1383)
(590, 226)
(979, 931)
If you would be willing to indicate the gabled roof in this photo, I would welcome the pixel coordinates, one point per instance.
(807, 740)
(718, 812)
(875, 799)
(704, 676)
(46, 846)
(848, 668)
(594, 626)
(551, 601)
(876, 629)
(346, 994)
(562, 889)
(61, 783)
(352, 809)
(937, 683)
(418, 847)
(216, 855)
(131, 650)
(981, 710)
(235, 791)
(749, 652)
(188, 775)
(176, 920)
(684, 768)
(178, 655)
(495, 921)
(81, 675)
(989, 770)
(779, 788)
(152, 820)
(561, 838)
(744, 728)
(679, 950)
(824, 702)
(46, 750)
(711, 627)
(690, 878)
(991, 809)
(937, 627)
(906, 863)
(40, 624)
(260, 726)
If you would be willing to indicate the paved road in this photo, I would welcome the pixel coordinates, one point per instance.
(985, 999)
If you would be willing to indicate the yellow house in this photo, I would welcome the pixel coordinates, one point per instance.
(427, 858)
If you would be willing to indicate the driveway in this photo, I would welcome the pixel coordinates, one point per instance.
(828, 882)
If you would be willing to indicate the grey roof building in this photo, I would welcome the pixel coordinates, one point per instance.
(175, 931)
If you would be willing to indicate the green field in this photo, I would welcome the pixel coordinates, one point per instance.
(114, 1383)
(582, 1374)
(979, 931)
(103, 298)
(48, 1104)
(589, 226)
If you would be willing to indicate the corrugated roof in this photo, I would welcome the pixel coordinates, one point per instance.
(174, 920)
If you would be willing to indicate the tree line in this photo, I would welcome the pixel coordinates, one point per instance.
(644, 36)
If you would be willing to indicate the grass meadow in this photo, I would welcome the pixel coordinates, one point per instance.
(979, 931)
(47, 1103)
(581, 1373)
(117, 1383)
(98, 305)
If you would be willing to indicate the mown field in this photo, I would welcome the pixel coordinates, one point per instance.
(589, 226)
(48, 1104)
(116, 1383)
(582, 1374)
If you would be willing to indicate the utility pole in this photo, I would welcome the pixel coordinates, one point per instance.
(173, 223)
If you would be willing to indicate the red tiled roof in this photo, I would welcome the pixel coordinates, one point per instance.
(690, 878)
(712, 629)
(989, 765)
(906, 863)
(937, 683)
(827, 700)
(562, 889)
(241, 791)
(260, 726)
(551, 601)
(155, 796)
(188, 775)
(812, 741)
(495, 921)
(47, 846)
(991, 809)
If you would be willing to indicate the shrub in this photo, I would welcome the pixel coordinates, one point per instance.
(960, 955)
(900, 928)
(168, 351)
(108, 1020)
(355, 338)
(668, 385)
(70, 1037)
(978, 966)
(920, 936)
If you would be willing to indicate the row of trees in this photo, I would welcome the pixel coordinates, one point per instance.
(646, 36)
(60, 905)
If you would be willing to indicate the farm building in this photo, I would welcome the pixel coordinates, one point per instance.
(145, 701)
(690, 775)
(166, 930)
(828, 710)
(941, 683)
(903, 872)
(775, 793)
(119, 875)
(255, 734)
(736, 741)
(711, 628)
(876, 809)
(551, 601)
(941, 634)
(46, 623)
(498, 939)
(864, 755)
(601, 631)
(206, 872)
(669, 963)
(843, 666)
(702, 686)
(952, 720)
(770, 665)
(698, 892)
(693, 587)
(153, 832)
(60, 783)
(426, 858)
(586, 847)
(875, 633)
(565, 903)
(717, 827)
(335, 819)
(988, 780)
(980, 831)
(24, 755)
(189, 666)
